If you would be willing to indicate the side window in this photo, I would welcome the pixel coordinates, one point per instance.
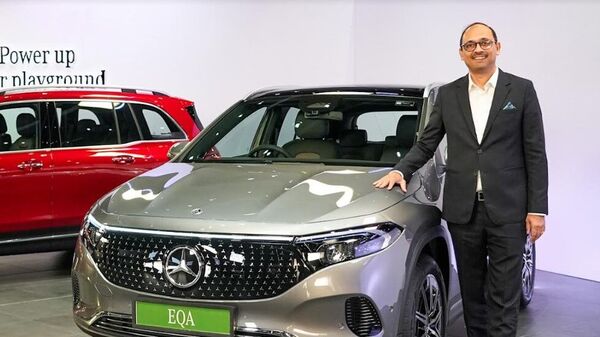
(86, 123)
(382, 124)
(238, 140)
(19, 127)
(154, 124)
(128, 129)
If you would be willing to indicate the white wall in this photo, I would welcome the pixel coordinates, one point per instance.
(214, 52)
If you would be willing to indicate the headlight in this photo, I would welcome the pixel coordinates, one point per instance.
(326, 249)
(91, 234)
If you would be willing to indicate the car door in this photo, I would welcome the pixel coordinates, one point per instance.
(98, 149)
(159, 131)
(25, 169)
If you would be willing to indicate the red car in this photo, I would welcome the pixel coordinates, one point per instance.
(63, 148)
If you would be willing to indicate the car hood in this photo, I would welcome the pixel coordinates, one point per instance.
(267, 193)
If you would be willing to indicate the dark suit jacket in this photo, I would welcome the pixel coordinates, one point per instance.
(511, 157)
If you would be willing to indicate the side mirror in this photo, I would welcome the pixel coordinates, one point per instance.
(176, 149)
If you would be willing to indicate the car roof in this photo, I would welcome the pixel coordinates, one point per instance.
(383, 90)
(76, 92)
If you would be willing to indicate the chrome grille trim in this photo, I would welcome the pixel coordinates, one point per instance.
(122, 326)
(266, 238)
(232, 269)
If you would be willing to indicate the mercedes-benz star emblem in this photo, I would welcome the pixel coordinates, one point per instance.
(183, 267)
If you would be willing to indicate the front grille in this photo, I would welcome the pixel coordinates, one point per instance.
(232, 269)
(75, 285)
(122, 326)
(361, 317)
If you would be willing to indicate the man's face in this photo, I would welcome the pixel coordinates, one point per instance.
(479, 59)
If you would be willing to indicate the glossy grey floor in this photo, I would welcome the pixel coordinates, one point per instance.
(35, 300)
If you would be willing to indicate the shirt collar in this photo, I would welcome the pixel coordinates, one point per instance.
(490, 83)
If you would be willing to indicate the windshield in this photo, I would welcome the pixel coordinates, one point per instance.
(345, 129)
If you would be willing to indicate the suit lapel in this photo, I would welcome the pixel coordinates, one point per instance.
(502, 90)
(462, 95)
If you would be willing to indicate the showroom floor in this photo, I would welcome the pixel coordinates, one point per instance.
(35, 300)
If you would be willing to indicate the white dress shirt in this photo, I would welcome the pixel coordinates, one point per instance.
(481, 103)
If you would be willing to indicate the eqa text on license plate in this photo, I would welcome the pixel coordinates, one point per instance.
(215, 321)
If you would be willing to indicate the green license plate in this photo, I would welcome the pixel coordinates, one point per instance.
(212, 321)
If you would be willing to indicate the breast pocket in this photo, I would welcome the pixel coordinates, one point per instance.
(509, 116)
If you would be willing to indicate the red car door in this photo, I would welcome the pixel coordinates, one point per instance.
(99, 149)
(25, 169)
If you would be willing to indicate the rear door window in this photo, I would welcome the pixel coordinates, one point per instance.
(86, 123)
(155, 124)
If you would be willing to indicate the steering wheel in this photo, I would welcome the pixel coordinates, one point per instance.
(270, 147)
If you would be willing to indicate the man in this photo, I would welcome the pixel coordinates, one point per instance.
(496, 179)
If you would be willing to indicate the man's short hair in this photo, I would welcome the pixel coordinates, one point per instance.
(460, 43)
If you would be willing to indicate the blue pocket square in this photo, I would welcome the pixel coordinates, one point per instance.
(509, 106)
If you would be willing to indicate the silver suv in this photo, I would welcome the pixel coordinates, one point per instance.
(268, 225)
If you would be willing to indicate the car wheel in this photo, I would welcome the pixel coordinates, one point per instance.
(424, 307)
(528, 273)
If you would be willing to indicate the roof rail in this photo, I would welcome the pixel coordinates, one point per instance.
(19, 90)
(266, 90)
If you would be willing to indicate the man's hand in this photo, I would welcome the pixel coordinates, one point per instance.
(389, 180)
(536, 225)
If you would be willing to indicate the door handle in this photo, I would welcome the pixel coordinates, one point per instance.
(123, 160)
(30, 165)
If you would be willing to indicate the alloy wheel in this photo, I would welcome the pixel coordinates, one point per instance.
(527, 274)
(429, 309)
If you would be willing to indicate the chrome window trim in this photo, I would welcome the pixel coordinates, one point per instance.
(117, 145)
(39, 238)
(114, 146)
(128, 101)
(269, 238)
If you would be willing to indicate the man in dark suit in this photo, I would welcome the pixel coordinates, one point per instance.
(496, 179)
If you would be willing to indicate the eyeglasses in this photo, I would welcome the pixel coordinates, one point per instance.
(472, 45)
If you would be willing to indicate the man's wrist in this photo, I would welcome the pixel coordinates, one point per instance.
(400, 173)
(539, 214)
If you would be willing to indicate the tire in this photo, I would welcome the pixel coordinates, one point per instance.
(425, 286)
(528, 273)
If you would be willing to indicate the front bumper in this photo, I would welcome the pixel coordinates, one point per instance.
(314, 307)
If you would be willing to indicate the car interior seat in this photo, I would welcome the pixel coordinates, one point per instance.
(397, 146)
(89, 133)
(27, 129)
(354, 145)
(312, 142)
(5, 139)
